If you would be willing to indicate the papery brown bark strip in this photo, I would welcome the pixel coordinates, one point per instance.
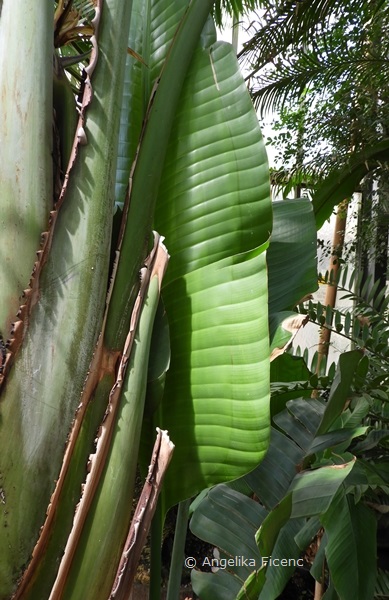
(31, 294)
(144, 512)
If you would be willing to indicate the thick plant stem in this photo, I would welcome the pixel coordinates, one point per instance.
(173, 590)
(26, 169)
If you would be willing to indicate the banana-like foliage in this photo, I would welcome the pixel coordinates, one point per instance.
(307, 480)
(162, 117)
(274, 513)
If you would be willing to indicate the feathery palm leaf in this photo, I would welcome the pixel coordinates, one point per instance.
(233, 8)
(315, 42)
(292, 22)
(289, 80)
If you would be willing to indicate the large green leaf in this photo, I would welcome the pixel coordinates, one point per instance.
(291, 256)
(291, 260)
(214, 209)
(288, 490)
(217, 408)
(351, 549)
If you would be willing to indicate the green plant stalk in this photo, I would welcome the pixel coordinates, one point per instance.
(44, 387)
(26, 168)
(45, 571)
(99, 394)
(108, 520)
(178, 553)
(148, 169)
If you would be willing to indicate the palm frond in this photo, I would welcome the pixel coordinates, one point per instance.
(382, 585)
(233, 8)
(306, 176)
(287, 80)
(291, 24)
(323, 43)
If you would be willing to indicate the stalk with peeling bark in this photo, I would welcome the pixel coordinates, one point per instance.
(86, 347)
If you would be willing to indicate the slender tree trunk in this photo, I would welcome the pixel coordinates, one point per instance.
(332, 286)
(373, 235)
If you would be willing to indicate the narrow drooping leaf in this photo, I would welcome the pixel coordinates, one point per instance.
(340, 388)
